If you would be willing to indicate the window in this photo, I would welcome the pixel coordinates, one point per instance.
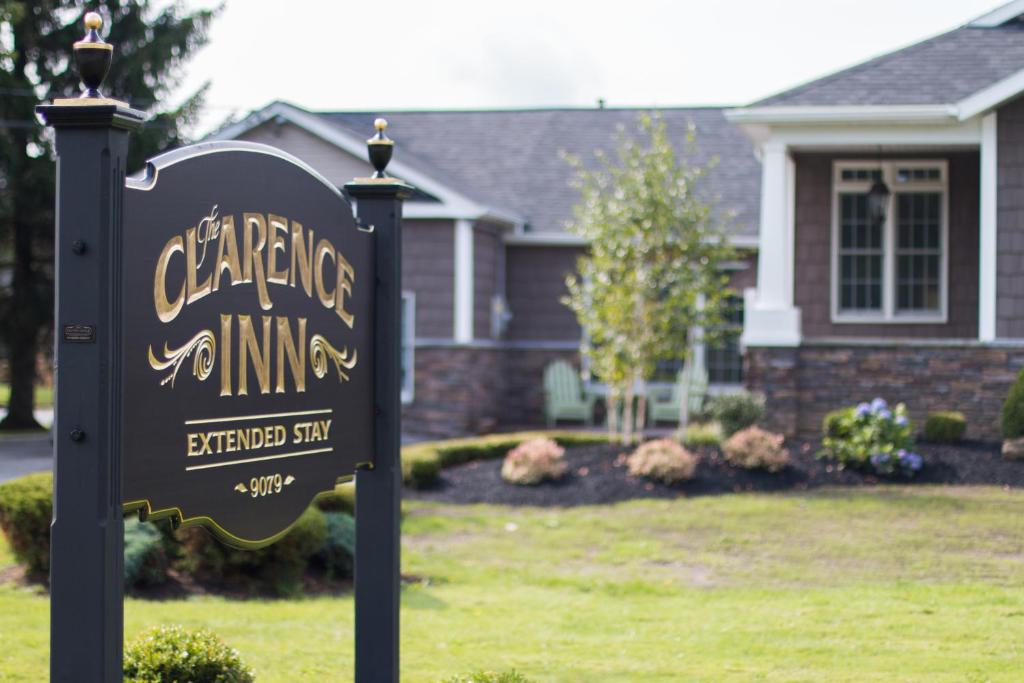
(892, 270)
(408, 345)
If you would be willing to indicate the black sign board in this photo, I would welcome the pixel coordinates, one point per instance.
(248, 340)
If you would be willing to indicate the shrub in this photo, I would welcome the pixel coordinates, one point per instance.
(836, 421)
(145, 563)
(171, 653)
(873, 436)
(737, 411)
(662, 460)
(489, 677)
(26, 509)
(754, 448)
(276, 569)
(341, 499)
(422, 462)
(1013, 409)
(945, 426)
(336, 554)
(707, 434)
(534, 461)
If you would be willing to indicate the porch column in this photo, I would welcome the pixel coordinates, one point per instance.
(770, 317)
(988, 237)
(463, 281)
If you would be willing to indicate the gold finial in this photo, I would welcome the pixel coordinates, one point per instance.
(380, 124)
(93, 20)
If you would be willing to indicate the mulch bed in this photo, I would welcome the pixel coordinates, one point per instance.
(596, 476)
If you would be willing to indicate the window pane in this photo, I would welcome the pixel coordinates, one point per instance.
(725, 362)
(861, 246)
(918, 251)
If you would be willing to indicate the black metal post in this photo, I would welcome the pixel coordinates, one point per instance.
(378, 489)
(87, 533)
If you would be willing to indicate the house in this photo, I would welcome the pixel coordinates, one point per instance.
(879, 212)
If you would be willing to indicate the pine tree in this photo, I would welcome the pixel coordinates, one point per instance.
(150, 47)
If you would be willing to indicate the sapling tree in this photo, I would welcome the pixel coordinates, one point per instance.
(652, 276)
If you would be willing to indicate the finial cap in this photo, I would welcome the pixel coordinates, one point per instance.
(92, 57)
(93, 20)
(380, 149)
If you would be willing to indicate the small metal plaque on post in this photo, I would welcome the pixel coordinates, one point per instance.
(79, 334)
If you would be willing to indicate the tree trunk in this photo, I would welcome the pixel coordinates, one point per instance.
(684, 397)
(641, 415)
(627, 416)
(612, 415)
(22, 327)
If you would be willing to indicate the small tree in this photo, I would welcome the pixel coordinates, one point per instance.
(652, 275)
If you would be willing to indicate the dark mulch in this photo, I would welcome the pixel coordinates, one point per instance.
(597, 476)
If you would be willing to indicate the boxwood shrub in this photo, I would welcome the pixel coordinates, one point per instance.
(26, 509)
(422, 462)
(171, 653)
(145, 562)
(276, 569)
(737, 411)
(946, 426)
(1013, 409)
(335, 556)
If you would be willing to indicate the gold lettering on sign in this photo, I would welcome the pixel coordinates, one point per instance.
(253, 256)
(227, 254)
(296, 357)
(342, 289)
(247, 345)
(275, 243)
(195, 291)
(323, 250)
(302, 256)
(165, 309)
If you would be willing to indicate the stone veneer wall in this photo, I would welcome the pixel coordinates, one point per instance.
(473, 390)
(802, 384)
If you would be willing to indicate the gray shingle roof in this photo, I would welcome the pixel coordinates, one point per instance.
(510, 159)
(941, 70)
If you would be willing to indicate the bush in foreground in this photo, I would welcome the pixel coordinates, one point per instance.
(945, 426)
(488, 677)
(25, 514)
(754, 448)
(534, 461)
(662, 460)
(873, 436)
(737, 411)
(171, 653)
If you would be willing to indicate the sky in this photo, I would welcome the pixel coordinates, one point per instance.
(457, 54)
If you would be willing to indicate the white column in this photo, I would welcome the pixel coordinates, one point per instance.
(463, 281)
(988, 237)
(771, 319)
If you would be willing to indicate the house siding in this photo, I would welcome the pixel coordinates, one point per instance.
(1010, 221)
(487, 248)
(813, 255)
(428, 269)
(535, 279)
(335, 164)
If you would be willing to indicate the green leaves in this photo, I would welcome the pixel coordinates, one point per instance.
(653, 270)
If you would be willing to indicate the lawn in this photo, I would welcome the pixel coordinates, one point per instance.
(43, 395)
(884, 584)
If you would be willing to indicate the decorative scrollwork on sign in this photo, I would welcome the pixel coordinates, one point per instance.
(320, 350)
(201, 347)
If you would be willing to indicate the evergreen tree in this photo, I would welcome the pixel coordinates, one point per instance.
(36, 36)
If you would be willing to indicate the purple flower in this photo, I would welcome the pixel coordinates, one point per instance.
(878, 405)
(884, 414)
(912, 462)
(862, 410)
(879, 459)
(902, 421)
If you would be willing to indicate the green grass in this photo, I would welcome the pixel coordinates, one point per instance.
(891, 584)
(44, 395)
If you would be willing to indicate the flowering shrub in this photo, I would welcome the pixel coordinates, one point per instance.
(171, 653)
(754, 448)
(533, 461)
(662, 460)
(873, 435)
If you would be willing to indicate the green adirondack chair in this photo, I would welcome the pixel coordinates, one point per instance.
(666, 409)
(563, 395)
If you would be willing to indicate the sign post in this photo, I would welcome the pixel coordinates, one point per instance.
(378, 487)
(228, 347)
(87, 533)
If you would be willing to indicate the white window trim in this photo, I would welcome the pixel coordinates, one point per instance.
(888, 314)
(409, 347)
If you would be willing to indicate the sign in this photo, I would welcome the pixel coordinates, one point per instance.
(248, 348)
